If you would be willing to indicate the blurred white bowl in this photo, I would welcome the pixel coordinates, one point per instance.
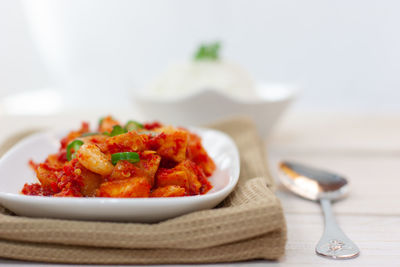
(208, 105)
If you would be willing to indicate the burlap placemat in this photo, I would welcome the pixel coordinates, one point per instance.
(249, 224)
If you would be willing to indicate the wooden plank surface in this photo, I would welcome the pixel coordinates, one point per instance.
(365, 149)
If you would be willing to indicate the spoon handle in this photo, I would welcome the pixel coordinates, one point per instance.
(334, 243)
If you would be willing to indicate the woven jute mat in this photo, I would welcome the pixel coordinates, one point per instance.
(249, 224)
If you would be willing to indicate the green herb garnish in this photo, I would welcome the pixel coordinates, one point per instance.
(208, 52)
(74, 145)
(89, 134)
(132, 157)
(133, 125)
(117, 130)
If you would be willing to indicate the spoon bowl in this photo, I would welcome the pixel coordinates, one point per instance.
(312, 183)
(322, 186)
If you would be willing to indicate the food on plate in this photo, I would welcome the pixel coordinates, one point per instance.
(207, 70)
(125, 161)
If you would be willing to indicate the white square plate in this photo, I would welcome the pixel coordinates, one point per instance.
(15, 172)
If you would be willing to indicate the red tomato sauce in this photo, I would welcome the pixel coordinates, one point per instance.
(163, 161)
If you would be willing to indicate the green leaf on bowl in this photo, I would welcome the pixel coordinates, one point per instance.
(208, 51)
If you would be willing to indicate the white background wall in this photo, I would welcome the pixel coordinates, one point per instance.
(346, 53)
(20, 65)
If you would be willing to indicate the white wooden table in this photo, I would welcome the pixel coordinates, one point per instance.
(365, 149)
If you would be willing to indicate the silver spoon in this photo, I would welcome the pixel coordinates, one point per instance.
(322, 186)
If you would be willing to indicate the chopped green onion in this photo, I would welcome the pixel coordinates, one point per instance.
(208, 52)
(132, 157)
(117, 130)
(89, 134)
(133, 125)
(75, 145)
